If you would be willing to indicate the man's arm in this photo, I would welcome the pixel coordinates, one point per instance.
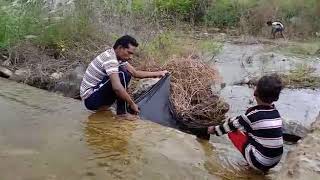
(121, 92)
(144, 74)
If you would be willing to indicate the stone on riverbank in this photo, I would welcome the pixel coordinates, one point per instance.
(5, 73)
(304, 161)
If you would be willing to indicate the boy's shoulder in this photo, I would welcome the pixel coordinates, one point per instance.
(260, 112)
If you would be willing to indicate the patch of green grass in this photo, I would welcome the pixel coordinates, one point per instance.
(182, 7)
(210, 46)
(173, 44)
(161, 47)
(30, 20)
(302, 77)
(166, 45)
(18, 21)
(305, 48)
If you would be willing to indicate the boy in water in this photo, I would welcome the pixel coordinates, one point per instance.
(257, 134)
(277, 27)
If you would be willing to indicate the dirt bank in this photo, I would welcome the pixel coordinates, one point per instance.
(304, 162)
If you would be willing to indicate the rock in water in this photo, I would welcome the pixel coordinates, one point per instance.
(144, 85)
(56, 75)
(22, 72)
(5, 73)
(7, 63)
(21, 75)
(294, 131)
(70, 83)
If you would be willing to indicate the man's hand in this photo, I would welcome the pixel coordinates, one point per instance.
(162, 73)
(211, 130)
(135, 108)
(145, 74)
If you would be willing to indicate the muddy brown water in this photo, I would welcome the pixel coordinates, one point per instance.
(44, 136)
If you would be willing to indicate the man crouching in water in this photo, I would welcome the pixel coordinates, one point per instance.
(108, 75)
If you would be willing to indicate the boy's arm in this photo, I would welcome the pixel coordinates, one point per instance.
(231, 125)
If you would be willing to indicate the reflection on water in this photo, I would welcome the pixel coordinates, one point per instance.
(123, 148)
(109, 138)
(223, 160)
(143, 150)
(108, 134)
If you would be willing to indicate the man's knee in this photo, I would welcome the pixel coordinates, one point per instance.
(98, 99)
(91, 105)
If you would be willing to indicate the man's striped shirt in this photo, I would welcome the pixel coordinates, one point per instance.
(103, 65)
(277, 25)
(263, 125)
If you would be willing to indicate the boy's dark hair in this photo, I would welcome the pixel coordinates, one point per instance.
(269, 23)
(124, 41)
(268, 88)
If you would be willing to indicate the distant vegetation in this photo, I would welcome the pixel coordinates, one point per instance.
(154, 22)
(46, 36)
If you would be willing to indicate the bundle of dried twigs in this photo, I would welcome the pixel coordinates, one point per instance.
(191, 94)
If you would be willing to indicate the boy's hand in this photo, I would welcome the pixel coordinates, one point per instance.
(211, 130)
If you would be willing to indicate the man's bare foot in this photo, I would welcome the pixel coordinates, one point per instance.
(128, 117)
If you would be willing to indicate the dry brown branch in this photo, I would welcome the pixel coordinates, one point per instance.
(191, 95)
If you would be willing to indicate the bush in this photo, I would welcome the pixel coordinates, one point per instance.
(223, 13)
(17, 21)
(30, 19)
(161, 47)
(175, 7)
(25, 20)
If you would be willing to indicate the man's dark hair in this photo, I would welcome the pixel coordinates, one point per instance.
(268, 88)
(124, 41)
(269, 23)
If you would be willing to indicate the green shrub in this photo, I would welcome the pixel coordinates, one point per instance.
(177, 7)
(302, 48)
(302, 77)
(18, 21)
(223, 13)
(29, 19)
(162, 47)
(22, 20)
(210, 46)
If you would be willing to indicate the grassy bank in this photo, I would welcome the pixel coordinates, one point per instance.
(33, 33)
(61, 25)
(302, 77)
(311, 48)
